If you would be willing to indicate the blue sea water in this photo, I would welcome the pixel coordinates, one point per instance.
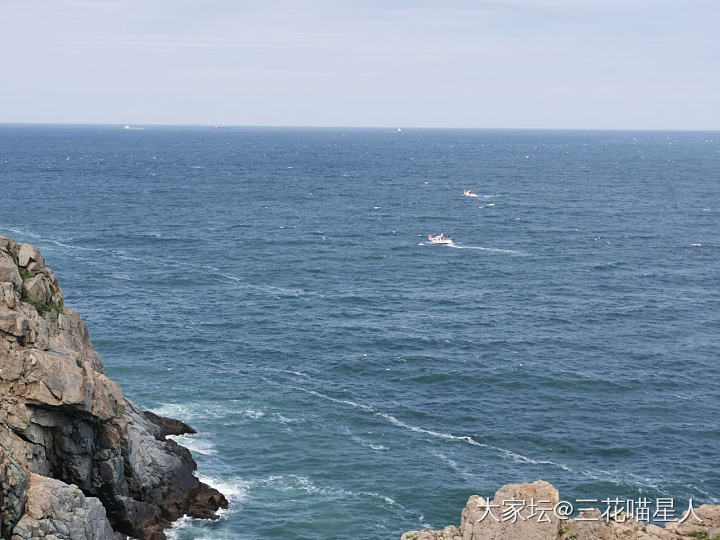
(274, 289)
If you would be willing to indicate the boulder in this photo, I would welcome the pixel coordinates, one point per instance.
(29, 257)
(9, 272)
(37, 288)
(84, 518)
(499, 520)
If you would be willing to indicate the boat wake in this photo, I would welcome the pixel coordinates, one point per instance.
(494, 250)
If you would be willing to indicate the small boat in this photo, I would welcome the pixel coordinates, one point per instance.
(440, 239)
(469, 193)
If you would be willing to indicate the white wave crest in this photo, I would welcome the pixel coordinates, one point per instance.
(195, 443)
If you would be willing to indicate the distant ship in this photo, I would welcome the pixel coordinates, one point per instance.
(128, 126)
(440, 239)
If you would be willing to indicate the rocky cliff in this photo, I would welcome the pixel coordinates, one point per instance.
(77, 459)
(477, 521)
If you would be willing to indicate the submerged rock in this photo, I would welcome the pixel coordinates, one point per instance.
(77, 459)
(477, 521)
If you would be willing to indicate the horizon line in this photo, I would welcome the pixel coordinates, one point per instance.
(316, 126)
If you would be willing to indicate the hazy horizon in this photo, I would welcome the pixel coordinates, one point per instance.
(388, 127)
(495, 64)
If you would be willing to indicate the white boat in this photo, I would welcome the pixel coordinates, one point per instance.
(440, 239)
(469, 193)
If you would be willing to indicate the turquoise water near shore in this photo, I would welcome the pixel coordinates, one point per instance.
(274, 289)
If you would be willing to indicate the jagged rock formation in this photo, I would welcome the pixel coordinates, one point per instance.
(477, 524)
(77, 459)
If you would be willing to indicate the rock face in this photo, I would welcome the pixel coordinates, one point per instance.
(478, 524)
(77, 459)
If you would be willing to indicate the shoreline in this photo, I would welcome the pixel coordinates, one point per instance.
(77, 457)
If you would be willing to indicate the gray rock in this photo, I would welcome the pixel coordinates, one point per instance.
(38, 288)
(97, 464)
(9, 272)
(13, 486)
(9, 296)
(6, 243)
(29, 257)
(83, 518)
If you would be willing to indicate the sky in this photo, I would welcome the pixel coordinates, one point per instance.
(588, 64)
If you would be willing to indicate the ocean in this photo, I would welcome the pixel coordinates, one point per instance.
(275, 289)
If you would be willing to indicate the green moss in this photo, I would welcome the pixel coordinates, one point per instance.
(24, 272)
(41, 307)
(567, 534)
(12, 256)
(702, 536)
